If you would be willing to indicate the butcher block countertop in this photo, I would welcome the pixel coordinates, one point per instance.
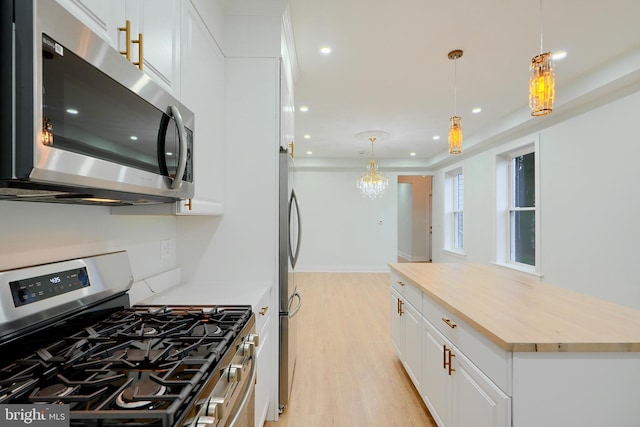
(520, 313)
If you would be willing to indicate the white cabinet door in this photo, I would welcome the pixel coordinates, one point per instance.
(396, 335)
(159, 23)
(462, 396)
(103, 17)
(411, 321)
(204, 62)
(477, 401)
(157, 20)
(436, 383)
(265, 372)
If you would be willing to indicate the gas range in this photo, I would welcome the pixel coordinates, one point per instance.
(114, 365)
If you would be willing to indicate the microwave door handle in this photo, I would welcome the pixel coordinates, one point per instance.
(182, 148)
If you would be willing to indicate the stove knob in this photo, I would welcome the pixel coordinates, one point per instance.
(247, 348)
(252, 338)
(206, 422)
(215, 408)
(233, 373)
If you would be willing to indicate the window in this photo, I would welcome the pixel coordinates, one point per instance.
(517, 196)
(454, 207)
(458, 211)
(522, 210)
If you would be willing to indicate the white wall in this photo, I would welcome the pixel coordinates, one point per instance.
(340, 228)
(35, 233)
(405, 220)
(589, 213)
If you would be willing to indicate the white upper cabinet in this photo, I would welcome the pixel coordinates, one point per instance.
(203, 91)
(156, 20)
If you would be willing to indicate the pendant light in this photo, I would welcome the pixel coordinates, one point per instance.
(455, 122)
(542, 80)
(372, 183)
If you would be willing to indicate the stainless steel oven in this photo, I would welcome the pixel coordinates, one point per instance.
(81, 124)
(70, 338)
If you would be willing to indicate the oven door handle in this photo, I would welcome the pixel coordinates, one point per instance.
(247, 394)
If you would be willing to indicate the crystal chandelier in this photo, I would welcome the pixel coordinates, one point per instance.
(455, 122)
(372, 183)
(542, 81)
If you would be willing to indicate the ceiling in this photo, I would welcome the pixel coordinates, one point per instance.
(389, 71)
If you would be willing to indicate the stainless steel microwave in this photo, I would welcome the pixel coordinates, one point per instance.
(78, 122)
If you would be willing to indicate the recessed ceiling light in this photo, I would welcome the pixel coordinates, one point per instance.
(412, 154)
(133, 138)
(325, 50)
(561, 54)
(436, 137)
(304, 108)
(309, 152)
(72, 111)
(476, 110)
(307, 136)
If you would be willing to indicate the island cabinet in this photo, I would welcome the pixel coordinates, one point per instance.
(498, 348)
(406, 324)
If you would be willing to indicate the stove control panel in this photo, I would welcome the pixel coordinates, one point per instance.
(30, 290)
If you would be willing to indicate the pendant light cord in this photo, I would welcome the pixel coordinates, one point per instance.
(541, 27)
(455, 87)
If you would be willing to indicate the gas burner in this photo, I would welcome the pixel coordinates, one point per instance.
(127, 399)
(147, 332)
(54, 390)
(206, 330)
(137, 355)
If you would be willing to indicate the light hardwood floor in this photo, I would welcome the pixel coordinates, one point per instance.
(347, 372)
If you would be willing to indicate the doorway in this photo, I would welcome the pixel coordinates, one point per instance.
(414, 218)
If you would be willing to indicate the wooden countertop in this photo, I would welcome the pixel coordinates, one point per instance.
(520, 313)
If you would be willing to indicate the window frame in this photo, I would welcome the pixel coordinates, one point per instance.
(453, 210)
(505, 202)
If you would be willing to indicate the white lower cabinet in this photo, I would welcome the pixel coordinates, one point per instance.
(436, 384)
(456, 371)
(456, 392)
(265, 373)
(405, 335)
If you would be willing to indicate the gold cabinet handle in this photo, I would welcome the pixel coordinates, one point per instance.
(400, 282)
(189, 204)
(292, 147)
(401, 303)
(264, 310)
(448, 363)
(449, 323)
(140, 44)
(127, 31)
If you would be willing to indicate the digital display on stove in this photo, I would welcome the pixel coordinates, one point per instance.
(27, 291)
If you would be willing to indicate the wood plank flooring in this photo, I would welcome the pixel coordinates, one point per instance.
(347, 372)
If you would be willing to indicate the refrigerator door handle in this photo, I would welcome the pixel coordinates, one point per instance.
(293, 312)
(293, 257)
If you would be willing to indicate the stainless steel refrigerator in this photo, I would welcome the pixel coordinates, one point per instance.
(290, 299)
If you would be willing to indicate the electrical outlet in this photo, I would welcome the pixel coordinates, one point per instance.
(165, 249)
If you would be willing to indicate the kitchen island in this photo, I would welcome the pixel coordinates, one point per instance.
(487, 346)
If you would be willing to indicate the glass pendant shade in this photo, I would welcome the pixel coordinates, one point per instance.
(455, 135)
(542, 85)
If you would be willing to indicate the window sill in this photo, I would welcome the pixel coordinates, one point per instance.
(455, 253)
(519, 267)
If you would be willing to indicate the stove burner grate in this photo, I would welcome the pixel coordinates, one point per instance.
(137, 396)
